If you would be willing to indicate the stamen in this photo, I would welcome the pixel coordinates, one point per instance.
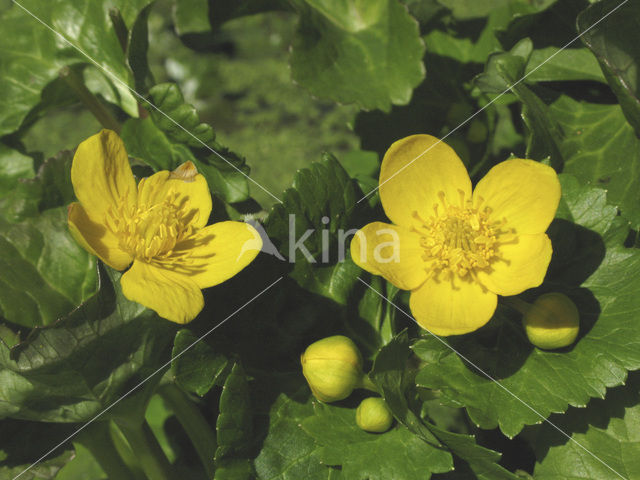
(460, 240)
(150, 232)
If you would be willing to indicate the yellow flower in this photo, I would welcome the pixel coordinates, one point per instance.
(157, 227)
(454, 249)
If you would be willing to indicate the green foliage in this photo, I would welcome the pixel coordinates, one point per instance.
(614, 44)
(362, 456)
(197, 367)
(44, 272)
(173, 134)
(311, 226)
(603, 438)
(29, 63)
(340, 45)
(395, 381)
(535, 383)
(72, 370)
(234, 426)
(287, 451)
(265, 78)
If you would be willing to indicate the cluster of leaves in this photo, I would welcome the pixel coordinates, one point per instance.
(496, 77)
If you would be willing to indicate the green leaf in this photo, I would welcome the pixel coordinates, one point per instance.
(137, 47)
(233, 427)
(191, 17)
(396, 454)
(341, 46)
(81, 466)
(287, 451)
(164, 145)
(44, 273)
(505, 70)
(468, 9)
(601, 148)
(391, 375)
(464, 47)
(70, 371)
(32, 61)
(591, 265)
(178, 120)
(606, 428)
(53, 182)
(551, 64)
(592, 141)
(13, 167)
(234, 469)
(313, 226)
(616, 43)
(17, 199)
(200, 367)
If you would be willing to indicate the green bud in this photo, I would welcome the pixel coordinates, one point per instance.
(552, 321)
(373, 415)
(332, 367)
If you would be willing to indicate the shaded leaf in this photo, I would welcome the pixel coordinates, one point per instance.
(616, 43)
(504, 71)
(199, 368)
(313, 227)
(287, 452)
(233, 426)
(391, 375)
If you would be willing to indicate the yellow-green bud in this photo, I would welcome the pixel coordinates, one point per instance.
(332, 367)
(373, 415)
(552, 321)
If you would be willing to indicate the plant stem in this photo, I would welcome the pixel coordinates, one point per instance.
(367, 384)
(97, 440)
(99, 110)
(194, 423)
(152, 459)
(517, 304)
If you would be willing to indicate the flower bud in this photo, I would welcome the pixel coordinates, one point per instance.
(332, 367)
(552, 321)
(373, 415)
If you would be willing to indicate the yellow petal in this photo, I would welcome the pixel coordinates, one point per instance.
(406, 187)
(392, 252)
(444, 308)
(96, 238)
(524, 192)
(173, 296)
(183, 185)
(101, 175)
(218, 252)
(523, 264)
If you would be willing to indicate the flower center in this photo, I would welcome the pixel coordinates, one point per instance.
(459, 239)
(150, 232)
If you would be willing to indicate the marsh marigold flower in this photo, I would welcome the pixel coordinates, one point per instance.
(156, 229)
(457, 250)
